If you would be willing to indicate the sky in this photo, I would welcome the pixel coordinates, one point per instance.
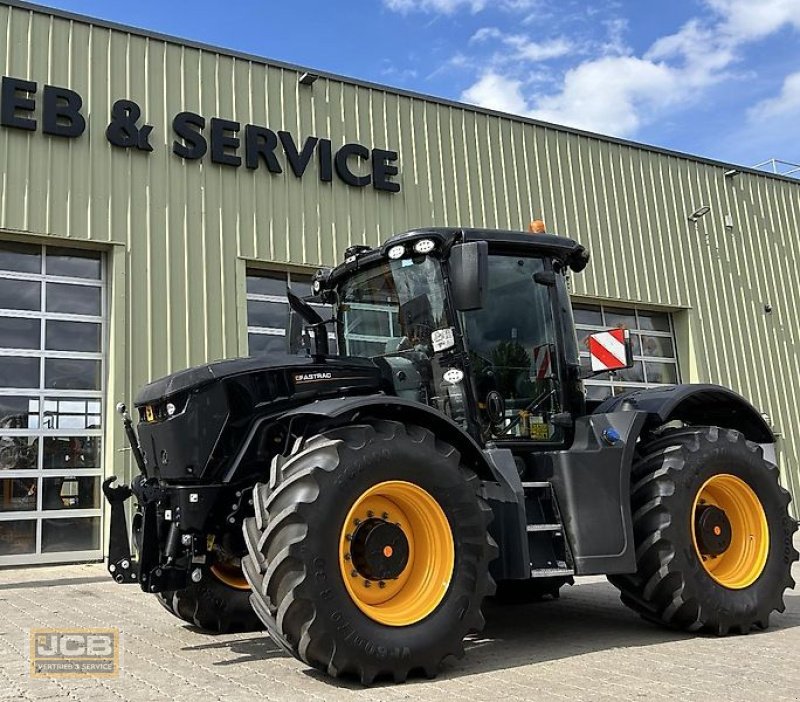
(716, 78)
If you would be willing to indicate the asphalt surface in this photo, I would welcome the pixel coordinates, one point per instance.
(584, 646)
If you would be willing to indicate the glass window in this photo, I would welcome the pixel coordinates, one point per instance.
(73, 263)
(71, 492)
(17, 537)
(264, 344)
(654, 348)
(20, 258)
(272, 315)
(267, 283)
(70, 534)
(18, 494)
(19, 412)
(74, 299)
(72, 336)
(512, 354)
(20, 294)
(19, 452)
(19, 372)
(20, 333)
(71, 374)
(71, 452)
(71, 413)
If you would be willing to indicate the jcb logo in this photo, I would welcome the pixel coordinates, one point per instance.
(74, 652)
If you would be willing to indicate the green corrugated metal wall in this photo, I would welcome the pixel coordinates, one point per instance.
(177, 231)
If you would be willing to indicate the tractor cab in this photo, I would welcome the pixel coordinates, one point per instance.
(476, 325)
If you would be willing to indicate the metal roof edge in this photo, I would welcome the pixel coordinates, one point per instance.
(255, 58)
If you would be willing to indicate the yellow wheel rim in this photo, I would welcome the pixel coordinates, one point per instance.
(742, 554)
(398, 518)
(230, 575)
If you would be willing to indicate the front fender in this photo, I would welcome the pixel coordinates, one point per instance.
(705, 405)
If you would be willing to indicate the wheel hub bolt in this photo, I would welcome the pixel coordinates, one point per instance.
(357, 521)
(367, 583)
(347, 556)
(385, 515)
(354, 573)
(381, 584)
(370, 514)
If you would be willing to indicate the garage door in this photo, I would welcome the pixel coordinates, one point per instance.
(52, 334)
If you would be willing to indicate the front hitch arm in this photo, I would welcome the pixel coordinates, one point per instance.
(121, 565)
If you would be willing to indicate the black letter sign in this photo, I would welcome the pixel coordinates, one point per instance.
(11, 103)
(343, 169)
(61, 112)
(381, 170)
(196, 145)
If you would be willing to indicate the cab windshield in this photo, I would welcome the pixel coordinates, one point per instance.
(392, 308)
(397, 313)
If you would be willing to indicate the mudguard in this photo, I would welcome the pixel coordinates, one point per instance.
(705, 405)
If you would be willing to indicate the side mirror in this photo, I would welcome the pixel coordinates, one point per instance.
(611, 350)
(469, 274)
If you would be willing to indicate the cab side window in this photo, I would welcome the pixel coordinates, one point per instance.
(512, 347)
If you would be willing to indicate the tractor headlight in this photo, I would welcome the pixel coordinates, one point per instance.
(424, 246)
(397, 252)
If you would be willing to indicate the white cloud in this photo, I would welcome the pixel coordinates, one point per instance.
(497, 92)
(519, 47)
(616, 92)
(448, 7)
(785, 104)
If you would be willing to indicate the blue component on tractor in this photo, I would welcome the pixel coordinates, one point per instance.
(611, 436)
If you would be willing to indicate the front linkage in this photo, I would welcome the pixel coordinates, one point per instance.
(170, 526)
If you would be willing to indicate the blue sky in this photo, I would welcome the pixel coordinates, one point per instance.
(719, 78)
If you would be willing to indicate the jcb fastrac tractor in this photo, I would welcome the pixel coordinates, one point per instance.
(361, 497)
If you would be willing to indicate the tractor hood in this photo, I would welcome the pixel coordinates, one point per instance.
(299, 371)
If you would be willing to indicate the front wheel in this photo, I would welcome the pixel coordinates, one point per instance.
(370, 556)
(713, 533)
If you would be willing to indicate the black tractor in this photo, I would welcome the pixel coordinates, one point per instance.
(426, 442)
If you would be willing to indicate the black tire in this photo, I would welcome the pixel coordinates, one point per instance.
(671, 586)
(293, 561)
(213, 605)
(518, 592)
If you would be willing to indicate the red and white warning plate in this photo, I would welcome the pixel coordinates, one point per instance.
(607, 349)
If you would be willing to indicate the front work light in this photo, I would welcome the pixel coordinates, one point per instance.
(424, 246)
(397, 252)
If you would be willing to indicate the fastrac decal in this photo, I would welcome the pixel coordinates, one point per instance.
(312, 377)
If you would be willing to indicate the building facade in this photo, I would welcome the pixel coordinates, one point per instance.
(156, 195)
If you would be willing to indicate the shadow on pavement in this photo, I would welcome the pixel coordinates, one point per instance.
(259, 647)
(587, 618)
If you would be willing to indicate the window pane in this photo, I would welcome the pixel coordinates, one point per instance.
(72, 336)
(20, 333)
(367, 322)
(17, 536)
(598, 392)
(662, 373)
(583, 337)
(658, 346)
(267, 314)
(585, 314)
(70, 534)
(301, 284)
(17, 494)
(22, 258)
(19, 372)
(19, 452)
(365, 348)
(73, 299)
(71, 374)
(72, 413)
(265, 344)
(620, 318)
(20, 294)
(19, 412)
(267, 283)
(632, 375)
(655, 321)
(76, 492)
(71, 452)
(73, 263)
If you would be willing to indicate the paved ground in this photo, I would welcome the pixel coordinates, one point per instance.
(584, 646)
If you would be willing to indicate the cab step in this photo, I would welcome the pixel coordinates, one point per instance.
(552, 572)
(544, 527)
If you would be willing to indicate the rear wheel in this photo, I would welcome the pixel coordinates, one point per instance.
(220, 601)
(370, 556)
(713, 533)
